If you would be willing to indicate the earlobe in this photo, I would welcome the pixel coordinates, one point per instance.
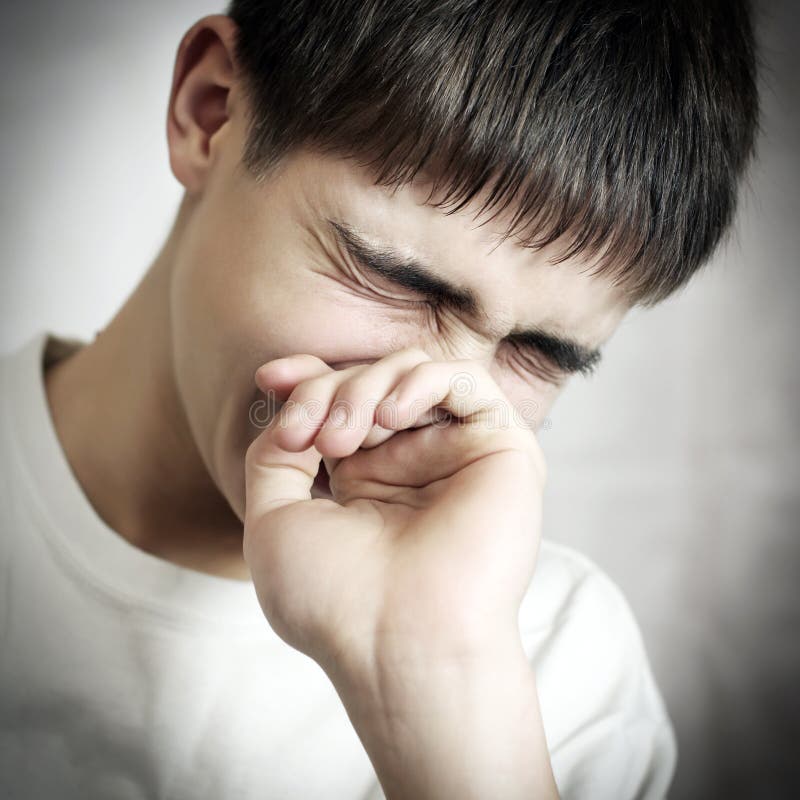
(198, 105)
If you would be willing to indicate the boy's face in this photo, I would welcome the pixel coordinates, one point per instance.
(261, 272)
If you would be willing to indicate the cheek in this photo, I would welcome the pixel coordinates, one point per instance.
(531, 398)
(543, 409)
(533, 407)
(306, 309)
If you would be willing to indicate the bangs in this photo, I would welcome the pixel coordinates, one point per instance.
(621, 128)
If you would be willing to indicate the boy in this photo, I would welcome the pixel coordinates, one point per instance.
(404, 226)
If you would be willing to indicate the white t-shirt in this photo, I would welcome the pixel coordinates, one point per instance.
(124, 676)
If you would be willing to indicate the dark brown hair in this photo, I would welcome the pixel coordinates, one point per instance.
(624, 126)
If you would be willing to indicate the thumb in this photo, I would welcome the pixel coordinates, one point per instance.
(275, 477)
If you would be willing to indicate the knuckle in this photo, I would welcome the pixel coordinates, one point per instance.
(311, 388)
(354, 389)
(424, 370)
(343, 413)
(350, 402)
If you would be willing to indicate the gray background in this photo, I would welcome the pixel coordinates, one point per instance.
(675, 467)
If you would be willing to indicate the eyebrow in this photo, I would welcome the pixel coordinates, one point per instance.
(567, 354)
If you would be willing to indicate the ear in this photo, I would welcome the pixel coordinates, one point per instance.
(199, 100)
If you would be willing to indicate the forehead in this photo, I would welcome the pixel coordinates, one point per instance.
(517, 285)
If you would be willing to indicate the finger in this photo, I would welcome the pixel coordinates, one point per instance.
(281, 375)
(423, 458)
(378, 434)
(351, 419)
(308, 406)
(462, 388)
(466, 391)
(277, 378)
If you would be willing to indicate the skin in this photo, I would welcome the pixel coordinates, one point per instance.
(251, 274)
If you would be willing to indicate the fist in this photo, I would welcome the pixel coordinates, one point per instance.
(429, 540)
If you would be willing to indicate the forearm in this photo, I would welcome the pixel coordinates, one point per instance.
(470, 729)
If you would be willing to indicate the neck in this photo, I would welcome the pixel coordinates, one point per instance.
(120, 420)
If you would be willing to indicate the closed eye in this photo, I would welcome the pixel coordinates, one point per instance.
(387, 290)
(536, 363)
(547, 352)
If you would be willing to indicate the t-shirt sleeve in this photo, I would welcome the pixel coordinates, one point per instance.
(608, 732)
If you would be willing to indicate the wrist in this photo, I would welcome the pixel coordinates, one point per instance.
(453, 727)
(399, 689)
(397, 665)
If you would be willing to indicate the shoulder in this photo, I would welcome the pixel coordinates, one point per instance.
(22, 366)
(27, 440)
(607, 727)
(567, 586)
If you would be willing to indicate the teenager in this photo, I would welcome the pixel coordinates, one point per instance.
(276, 530)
